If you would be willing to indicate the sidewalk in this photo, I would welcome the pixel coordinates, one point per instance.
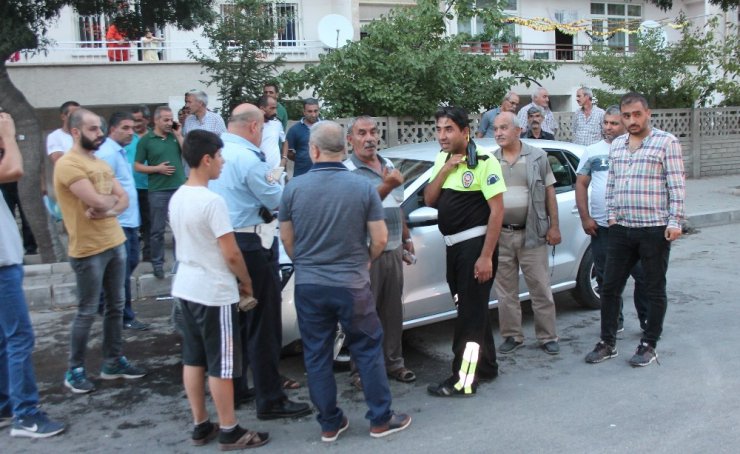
(709, 202)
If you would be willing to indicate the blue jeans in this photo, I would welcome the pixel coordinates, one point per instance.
(599, 245)
(100, 272)
(18, 393)
(626, 247)
(158, 214)
(319, 308)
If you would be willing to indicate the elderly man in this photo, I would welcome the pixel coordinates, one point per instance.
(535, 117)
(200, 117)
(326, 234)
(386, 272)
(530, 224)
(469, 199)
(587, 120)
(645, 193)
(298, 136)
(540, 97)
(91, 198)
(508, 104)
(252, 195)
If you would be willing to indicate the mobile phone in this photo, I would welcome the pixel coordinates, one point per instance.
(472, 152)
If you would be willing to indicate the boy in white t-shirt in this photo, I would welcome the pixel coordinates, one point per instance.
(209, 263)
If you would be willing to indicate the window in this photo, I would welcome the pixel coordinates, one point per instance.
(606, 17)
(474, 26)
(285, 15)
(91, 30)
(565, 176)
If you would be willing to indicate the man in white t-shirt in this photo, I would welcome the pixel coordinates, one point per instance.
(592, 171)
(209, 264)
(273, 143)
(60, 140)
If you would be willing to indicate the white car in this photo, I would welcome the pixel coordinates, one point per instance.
(427, 297)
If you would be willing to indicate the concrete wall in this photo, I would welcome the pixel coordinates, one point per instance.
(720, 156)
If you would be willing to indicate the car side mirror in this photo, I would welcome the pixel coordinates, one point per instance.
(422, 216)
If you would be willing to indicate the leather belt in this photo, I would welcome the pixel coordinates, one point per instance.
(249, 229)
(512, 227)
(451, 240)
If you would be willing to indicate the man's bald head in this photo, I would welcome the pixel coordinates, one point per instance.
(246, 121)
(327, 141)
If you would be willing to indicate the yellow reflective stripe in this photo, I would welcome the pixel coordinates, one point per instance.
(467, 368)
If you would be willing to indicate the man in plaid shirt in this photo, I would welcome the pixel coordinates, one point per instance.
(587, 120)
(645, 204)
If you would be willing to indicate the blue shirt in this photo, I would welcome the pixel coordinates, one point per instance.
(141, 179)
(297, 138)
(115, 155)
(245, 182)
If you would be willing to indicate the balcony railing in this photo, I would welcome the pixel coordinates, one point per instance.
(87, 52)
(529, 51)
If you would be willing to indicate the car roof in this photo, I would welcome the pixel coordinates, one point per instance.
(426, 151)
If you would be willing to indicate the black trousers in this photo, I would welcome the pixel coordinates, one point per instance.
(473, 323)
(261, 328)
(144, 228)
(10, 194)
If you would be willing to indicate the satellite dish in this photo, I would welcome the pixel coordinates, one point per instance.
(335, 31)
(656, 27)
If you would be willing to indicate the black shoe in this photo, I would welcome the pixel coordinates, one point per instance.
(244, 398)
(159, 273)
(551, 348)
(203, 433)
(510, 345)
(285, 408)
(447, 389)
(137, 325)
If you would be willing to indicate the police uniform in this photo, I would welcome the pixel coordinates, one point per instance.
(463, 216)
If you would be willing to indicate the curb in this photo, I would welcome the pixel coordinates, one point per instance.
(711, 219)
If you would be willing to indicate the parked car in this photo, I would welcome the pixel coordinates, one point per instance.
(427, 297)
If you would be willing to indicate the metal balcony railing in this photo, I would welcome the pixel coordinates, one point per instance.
(531, 51)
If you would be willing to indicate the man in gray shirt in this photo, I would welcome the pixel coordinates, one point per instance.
(325, 231)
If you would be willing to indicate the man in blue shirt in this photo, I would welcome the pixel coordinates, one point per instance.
(112, 151)
(298, 136)
(251, 196)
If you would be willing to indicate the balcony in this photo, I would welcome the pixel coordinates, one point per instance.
(529, 51)
(90, 52)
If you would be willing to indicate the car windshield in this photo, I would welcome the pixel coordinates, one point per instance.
(410, 168)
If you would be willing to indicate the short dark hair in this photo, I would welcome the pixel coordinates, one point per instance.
(263, 101)
(64, 109)
(117, 118)
(274, 84)
(310, 102)
(158, 111)
(458, 115)
(143, 109)
(631, 97)
(76, 118)
(199, 143)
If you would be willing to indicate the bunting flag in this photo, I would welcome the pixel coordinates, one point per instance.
(544, 24)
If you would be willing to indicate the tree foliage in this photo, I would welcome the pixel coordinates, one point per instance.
(23, 27)
(694, 71)
(665, 5)
(239, 44)
(408, 66)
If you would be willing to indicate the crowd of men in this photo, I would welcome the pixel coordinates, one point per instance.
(218, 185)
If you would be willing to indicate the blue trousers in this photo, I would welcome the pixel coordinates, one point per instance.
(18, 393)
(627, 246)
(319, 309)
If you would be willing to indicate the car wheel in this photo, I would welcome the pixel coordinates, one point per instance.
(586, 287)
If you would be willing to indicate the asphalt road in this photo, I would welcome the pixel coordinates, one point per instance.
(687, 403)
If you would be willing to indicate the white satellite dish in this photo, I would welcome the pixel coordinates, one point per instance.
(335, 30)
(651, 25)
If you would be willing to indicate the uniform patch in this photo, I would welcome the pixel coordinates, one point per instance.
(467, 179)
(492, 179)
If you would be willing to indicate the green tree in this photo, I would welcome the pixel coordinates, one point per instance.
(724, 4)
(23, 27)
(692, 71)
(408, 66)
(239, 43)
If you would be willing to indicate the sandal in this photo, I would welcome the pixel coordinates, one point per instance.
(289, 383)
(250, 439)
(356, 381)
(403, 375)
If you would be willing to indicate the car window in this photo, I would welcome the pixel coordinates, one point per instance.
(573, 159)
(410, 168)
(565, 176)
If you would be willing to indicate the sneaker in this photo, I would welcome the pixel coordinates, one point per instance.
(620, 326)
(601, 352)
(644, 355)
(397, 423)
(158, 273)
(332, 435)
(121, 369)
(76, 380)
(551, 348)
(203, 433)
(36, 426)
(137, 325)
(510, 345)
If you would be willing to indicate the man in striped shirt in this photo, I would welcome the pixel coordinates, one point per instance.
(587, 119)
(645, 205)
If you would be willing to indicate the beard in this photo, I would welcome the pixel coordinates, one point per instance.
(91, 145)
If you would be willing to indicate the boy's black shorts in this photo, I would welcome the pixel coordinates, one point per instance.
(211, 339)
